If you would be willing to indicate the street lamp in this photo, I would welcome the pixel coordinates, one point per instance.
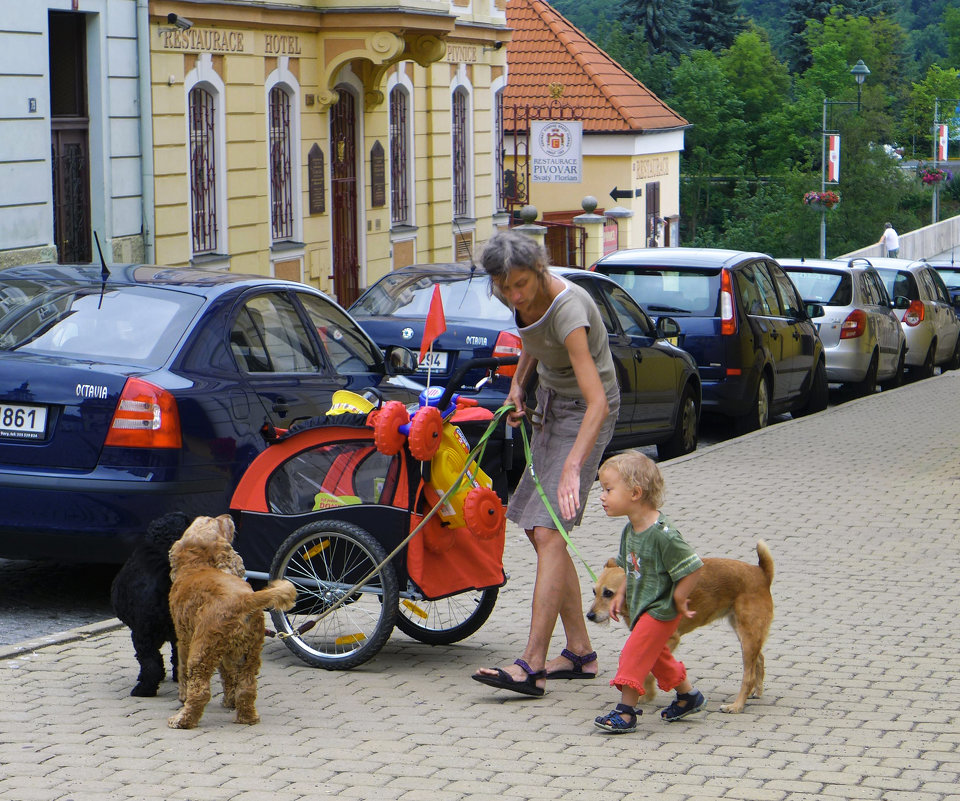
(860, 71)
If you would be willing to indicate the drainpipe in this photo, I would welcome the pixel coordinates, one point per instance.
(146, 129)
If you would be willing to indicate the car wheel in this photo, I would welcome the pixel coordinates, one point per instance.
(954, 363)
(759, 415)
(925, 370)
(869, 383)
(684, 437)
(897, 380)
(818, 398)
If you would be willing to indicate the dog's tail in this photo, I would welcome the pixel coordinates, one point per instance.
(765, 559)
(276, 595)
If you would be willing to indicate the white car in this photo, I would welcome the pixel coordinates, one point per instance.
(927, 317)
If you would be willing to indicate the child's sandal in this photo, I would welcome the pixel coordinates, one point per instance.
(692, 702)
(616, 722)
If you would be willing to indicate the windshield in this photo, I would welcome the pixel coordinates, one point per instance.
(409, 295)
(126, 325)
(663, 291)
(950, 276)
(899, 283)
(826, 287)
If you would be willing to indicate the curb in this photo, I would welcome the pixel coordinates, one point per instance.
(60, 638)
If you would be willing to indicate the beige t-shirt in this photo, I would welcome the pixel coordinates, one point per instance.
(573, 308)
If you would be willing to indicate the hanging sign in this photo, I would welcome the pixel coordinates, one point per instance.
(556, 152)
(833, 159)
(942, 142)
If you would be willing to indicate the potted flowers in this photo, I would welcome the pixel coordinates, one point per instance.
(821, 200)
(931, 176)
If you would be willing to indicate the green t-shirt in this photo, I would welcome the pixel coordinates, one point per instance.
(654, 561)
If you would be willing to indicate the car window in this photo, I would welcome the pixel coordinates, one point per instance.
(594, 290)
(877, 291)
(950, 276)
(756, 291)
(632, 319)
(409, 294)
(939, 288)
(268, 336)
(122, 324)
(899, 283)
(658, 290)
(789, 300)
(348, 348)
(827, 287)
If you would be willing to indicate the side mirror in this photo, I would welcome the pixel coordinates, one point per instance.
(667, 328)
(814, 310)
(400, 360)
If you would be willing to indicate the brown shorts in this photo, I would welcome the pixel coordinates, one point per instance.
(560, 420)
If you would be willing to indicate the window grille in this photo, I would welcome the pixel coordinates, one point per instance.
(498, 145)
(203, 170)
(460, 176)
(399, 202)
(281, 181)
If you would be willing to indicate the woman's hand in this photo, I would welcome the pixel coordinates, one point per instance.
(568, 491)
(515, 398)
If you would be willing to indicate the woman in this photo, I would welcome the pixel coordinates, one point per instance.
(578, 398)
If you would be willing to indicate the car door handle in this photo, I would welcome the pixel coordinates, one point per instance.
(280, 407)
(638, 355)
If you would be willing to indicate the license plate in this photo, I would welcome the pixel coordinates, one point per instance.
(22, 422)
(436, 361)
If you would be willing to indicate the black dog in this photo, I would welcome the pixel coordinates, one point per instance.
(140, 597)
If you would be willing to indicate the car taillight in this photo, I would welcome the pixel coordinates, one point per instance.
(855, 325)
(507, 345)
(728, 320)
(146, 417)
(914, 313)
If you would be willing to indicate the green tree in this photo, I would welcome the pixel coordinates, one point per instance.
(937, 84)
(713, 24)
(799, 14)
(660, 21)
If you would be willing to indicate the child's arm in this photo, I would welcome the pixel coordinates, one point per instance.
(617, 603)
(681, 593)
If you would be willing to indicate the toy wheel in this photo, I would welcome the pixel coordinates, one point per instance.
(389, 440)
(448, 620)
(425, 430)
(324, 560)
(483, 512)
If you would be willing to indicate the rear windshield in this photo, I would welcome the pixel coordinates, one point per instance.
(662, 291)
(899, 283)
(823, 286)
(407, 295)
(125, 325)
(950, 276)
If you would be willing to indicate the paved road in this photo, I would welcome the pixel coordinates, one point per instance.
(859, 505)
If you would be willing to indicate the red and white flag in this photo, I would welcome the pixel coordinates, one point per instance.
(436, 323)
(833, 159)
(942, 143)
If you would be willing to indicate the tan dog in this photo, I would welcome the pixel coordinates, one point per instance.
(218, 619)
(727, 588)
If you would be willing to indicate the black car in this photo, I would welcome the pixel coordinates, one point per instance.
(132, 392)
(659, 384)
(741, 318)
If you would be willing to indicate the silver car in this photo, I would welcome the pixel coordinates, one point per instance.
(928, 319)
(862, 338)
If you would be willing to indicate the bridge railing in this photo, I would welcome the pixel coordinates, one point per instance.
(929, 241)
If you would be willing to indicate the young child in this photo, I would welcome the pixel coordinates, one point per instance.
(662, 571)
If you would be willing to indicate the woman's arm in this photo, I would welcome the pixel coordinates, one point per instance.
(591, 388)
(517, 394)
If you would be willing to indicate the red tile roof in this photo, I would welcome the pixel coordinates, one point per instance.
(547, 49)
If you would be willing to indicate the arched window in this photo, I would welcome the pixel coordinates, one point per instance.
(203, 170)
(281, 174)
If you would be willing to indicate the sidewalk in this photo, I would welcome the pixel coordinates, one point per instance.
(860, 507)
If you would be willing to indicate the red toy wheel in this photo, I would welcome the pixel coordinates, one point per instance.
(425, 430)
(386, 434)
(483, 513)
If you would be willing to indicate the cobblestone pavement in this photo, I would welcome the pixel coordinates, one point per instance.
(859, 506)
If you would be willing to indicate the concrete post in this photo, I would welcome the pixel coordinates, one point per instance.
(621, 216)
(539, 232)
(593, 224)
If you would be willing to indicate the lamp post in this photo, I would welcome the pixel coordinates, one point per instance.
(860, 71)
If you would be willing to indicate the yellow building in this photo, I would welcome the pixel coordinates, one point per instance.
(324, 141)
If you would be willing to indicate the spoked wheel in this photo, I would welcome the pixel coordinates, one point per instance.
(448, 620)
(325, 560)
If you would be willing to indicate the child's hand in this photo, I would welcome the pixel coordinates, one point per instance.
(685, 610)
(617, 602)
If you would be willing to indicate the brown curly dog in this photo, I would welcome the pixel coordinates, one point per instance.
(218, 620)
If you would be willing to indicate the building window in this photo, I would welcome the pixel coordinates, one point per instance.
(203, 170)
(498, 174)
(461, 177)
(399, 150)
(281, 178)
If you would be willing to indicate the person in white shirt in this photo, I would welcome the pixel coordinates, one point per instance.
(890, 240)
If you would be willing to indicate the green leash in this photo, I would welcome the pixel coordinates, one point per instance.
(543, 497)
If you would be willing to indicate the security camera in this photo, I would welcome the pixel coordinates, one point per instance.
(497, 45)
(181, 22)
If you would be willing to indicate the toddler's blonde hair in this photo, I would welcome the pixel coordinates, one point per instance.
(638, 471)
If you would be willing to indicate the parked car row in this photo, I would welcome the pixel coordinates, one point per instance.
(128, 391)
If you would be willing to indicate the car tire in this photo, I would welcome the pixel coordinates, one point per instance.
(818, 397)
(925, 370)
(897, 379)
(759, 414)
(684, 437)
(868, 385)
(954, 363)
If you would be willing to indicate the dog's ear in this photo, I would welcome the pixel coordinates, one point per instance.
(227, 527)
(611, 562)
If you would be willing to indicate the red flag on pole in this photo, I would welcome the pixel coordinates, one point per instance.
(436, 323)
(942, 143)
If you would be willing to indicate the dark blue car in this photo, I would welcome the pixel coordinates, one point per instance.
(126, 395)
(659, 383)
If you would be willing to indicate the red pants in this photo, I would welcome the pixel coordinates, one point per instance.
(645, 651)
